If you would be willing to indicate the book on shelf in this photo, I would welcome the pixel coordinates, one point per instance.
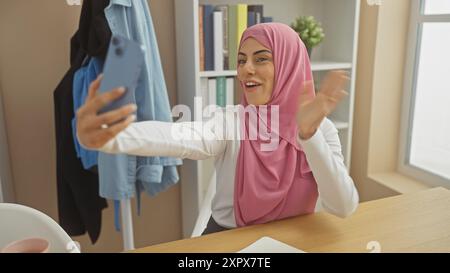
(221, 92)
(217, 91)
(237, 25)
(232, 36)
(202, 38)
(230, 91)
(204, 87)
(212, 92)
(258, 10)
(251, 18)
(218, 41)
(208, 24)
(241, 22)
(224, 10)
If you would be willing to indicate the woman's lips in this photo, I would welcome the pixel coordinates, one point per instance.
(252, 89)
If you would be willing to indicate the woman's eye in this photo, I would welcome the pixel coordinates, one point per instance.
(241, 62)
(260, 60)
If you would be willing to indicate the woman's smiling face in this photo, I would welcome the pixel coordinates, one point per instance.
(256, 72)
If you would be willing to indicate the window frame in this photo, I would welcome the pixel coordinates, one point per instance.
(417, 18)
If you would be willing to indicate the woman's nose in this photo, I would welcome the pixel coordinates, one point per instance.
(249, 68)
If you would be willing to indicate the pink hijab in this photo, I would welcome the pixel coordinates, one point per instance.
(276, 184)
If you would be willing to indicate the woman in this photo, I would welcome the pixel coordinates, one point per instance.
(268, 184)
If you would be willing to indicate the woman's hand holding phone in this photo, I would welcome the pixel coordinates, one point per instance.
(95, 130)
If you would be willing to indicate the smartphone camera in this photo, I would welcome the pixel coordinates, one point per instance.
(119, 51)
(115, 41)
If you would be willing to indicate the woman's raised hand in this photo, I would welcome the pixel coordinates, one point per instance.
(312, 110)
(94, 130)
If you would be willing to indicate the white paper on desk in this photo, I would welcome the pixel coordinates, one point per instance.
(270, 245)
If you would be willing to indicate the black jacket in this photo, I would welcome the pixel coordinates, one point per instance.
(79, 204)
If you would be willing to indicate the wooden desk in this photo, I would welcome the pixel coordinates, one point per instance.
(417, 222)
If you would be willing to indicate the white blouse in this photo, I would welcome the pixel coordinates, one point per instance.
(214, 138)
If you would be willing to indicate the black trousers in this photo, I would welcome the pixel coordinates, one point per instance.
(213, 227)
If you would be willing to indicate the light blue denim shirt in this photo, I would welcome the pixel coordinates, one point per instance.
(122, 176)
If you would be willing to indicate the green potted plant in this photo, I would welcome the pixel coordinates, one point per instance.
(309, 30)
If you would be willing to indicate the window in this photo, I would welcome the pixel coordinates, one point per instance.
(425, 138)
(436, 7)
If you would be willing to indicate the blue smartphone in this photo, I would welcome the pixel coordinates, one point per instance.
(122, 68)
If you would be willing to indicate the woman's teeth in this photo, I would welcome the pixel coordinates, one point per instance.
(252, 84)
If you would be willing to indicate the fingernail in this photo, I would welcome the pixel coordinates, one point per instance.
(133, 107)
(132, 117)
(121, 89)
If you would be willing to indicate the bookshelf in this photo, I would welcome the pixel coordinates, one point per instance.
(340, 20)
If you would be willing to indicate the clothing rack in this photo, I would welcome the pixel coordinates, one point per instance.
(121, 25)
(127, 225)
